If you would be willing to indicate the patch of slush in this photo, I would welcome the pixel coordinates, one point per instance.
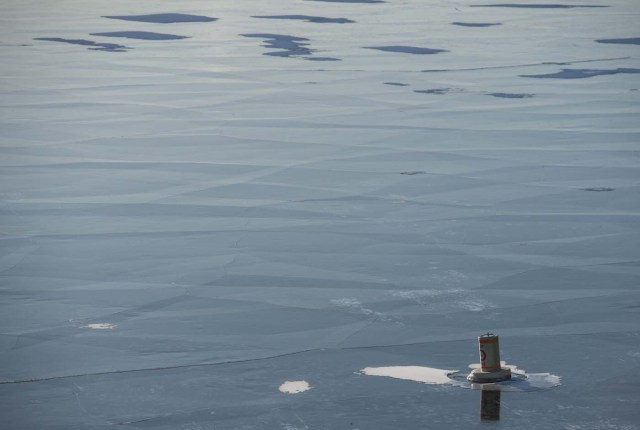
(538, 6)
(626, 41)
(407, 49)
(163, 18)
(511, 95)
(290, 46)
(99, 326)
(94, 46)
(476, 24)
(143, 35)
(521, 381)
(583, 73)
(294, 387)
(314, 19)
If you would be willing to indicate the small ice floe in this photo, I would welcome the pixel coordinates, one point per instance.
(520, 380)
(294, 387)
(99, 326)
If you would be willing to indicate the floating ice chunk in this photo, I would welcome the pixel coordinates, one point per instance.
(99, 326)
(294, 387)
(520, 380)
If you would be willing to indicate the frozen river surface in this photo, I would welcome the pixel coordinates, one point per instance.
(216, 214)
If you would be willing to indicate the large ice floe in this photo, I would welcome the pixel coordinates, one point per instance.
(228, 214)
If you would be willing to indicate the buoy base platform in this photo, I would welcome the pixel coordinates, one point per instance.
(481, 376)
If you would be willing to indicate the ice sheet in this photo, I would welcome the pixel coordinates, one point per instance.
(187, 224)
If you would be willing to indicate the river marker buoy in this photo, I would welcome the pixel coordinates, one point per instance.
(490, 369)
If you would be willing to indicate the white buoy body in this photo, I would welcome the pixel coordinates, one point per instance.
(490, 369)
(489, 352)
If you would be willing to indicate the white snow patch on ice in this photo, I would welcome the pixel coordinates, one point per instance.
(427, 375)
(99, 326)
(521, 381)
(294, 387)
